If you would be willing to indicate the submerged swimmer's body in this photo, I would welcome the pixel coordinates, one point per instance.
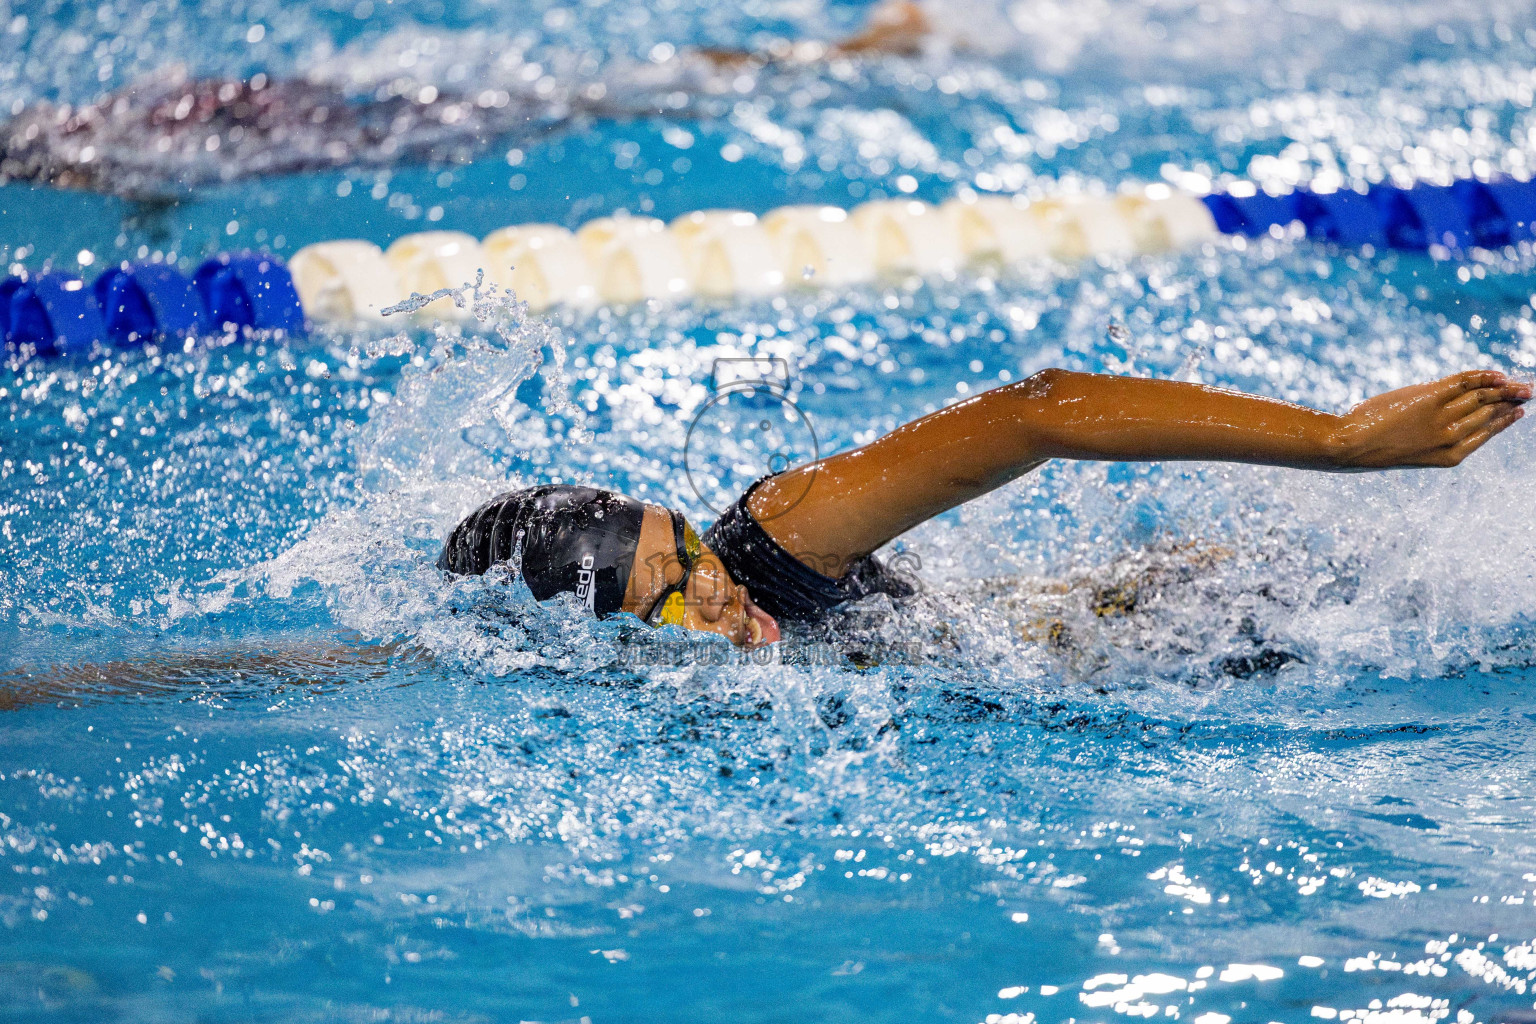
(169, 132)
(800, 543)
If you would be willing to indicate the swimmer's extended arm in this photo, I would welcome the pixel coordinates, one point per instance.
(856, 501)
(893, 28)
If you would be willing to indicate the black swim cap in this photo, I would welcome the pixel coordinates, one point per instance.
(575, 540)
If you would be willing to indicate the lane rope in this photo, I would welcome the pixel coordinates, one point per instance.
(723, 253)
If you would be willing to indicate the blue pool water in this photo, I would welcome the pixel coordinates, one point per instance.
(259, 761)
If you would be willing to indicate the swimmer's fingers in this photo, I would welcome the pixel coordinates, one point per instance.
(1455, 453)
(1472, 380)
(1470, 399)
(1480, 417)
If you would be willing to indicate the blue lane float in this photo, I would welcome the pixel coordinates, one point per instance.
(136, 303)
(1343, 218)
(49, 313)
(144, 301)
(1418, 218)
(1455, 217)
(1250, 215)
(1510, 205)
(249, 289)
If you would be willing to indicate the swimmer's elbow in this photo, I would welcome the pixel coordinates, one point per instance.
(1040, 427)
(1034, 396)
(1041, 383)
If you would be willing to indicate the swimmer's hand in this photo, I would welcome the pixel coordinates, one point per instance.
(1434, 424)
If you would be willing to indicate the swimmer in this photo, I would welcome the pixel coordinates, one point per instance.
(802, 542)
(168, 133)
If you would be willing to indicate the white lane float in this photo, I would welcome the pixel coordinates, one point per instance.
(1084, 227)
(819, 246)
(909, 236)
(997, 228)
(727, 253)
(1161, 219)
(622, 259)
(430, 261)
(542, 263)
(344, 280)
(633, 258)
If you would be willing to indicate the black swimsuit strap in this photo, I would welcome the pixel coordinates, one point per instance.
(684, 558)
(783, 585)
(680, 541)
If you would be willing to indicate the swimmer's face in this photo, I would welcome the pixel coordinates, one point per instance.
(712, 601)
